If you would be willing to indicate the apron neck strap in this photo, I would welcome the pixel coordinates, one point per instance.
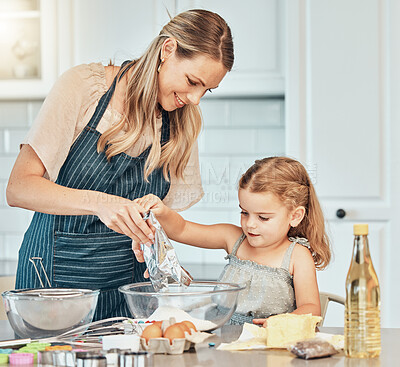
(105, 99)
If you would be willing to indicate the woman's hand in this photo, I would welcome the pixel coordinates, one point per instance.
(124, 216)
(144, 204)
(262, 322)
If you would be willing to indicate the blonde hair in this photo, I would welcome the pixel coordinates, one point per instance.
(196, 32)
(290, 182)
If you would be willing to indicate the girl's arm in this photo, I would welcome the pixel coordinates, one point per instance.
(216, 236)
(27, 188)
(305, 284)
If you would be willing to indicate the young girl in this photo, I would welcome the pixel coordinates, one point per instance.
(277, 248)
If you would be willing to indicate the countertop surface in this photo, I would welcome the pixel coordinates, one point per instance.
(203, 355)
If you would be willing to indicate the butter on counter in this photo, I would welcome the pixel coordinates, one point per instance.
(281, 331)
(289, 328)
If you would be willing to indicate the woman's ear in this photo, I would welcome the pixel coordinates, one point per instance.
(297, 216)
(168, 48)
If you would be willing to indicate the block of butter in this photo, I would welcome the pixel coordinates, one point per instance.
(289, 328)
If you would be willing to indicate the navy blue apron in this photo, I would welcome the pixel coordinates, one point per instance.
(79, 251)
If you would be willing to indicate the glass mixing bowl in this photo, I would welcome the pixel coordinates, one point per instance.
(47, 312)
(209, 305)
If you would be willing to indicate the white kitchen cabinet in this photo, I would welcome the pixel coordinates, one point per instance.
(258, 33)
(339, 125)
(28, 48)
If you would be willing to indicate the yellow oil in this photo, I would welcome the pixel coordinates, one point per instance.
(362, 332)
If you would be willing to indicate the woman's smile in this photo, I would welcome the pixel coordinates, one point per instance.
(178, 102)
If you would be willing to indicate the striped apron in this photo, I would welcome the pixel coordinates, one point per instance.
(79, 251)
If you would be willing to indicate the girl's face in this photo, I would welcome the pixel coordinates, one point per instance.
(265, 220)
(184, 81)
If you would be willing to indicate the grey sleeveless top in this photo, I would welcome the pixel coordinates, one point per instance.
(269, 290)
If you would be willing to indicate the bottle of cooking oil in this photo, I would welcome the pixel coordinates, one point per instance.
(362, 332)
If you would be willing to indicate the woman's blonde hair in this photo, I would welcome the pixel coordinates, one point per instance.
(196, 32)
(290, 182)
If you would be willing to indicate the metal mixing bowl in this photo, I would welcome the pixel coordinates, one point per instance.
(209, 305)
(46, 312)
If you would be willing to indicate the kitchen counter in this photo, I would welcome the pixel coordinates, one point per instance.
(206, 356)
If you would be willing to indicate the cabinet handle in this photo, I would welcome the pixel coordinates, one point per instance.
(340, 213)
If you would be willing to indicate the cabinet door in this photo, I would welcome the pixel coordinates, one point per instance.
(27, 48)
(257, 27)
(114, 30)
(338, 125)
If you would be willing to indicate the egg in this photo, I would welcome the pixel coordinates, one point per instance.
(152, 331)
(189, 324)
(184, 327)
(158, 323)
(174, 332)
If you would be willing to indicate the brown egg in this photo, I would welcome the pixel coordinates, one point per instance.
(152, 331)
(174, 332)
(189, 324)
(184, 327)
(158, 323)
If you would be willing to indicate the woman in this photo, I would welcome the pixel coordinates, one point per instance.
(108, 135)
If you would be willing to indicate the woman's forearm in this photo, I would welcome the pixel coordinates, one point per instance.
(117, 213)
(41, 195)
(29, 189)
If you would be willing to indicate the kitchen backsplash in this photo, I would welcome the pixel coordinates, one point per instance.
(236, 132)
(16, 117)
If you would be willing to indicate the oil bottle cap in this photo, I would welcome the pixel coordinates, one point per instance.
(360, 229)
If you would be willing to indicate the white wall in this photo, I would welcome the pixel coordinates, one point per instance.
(15, 120)
(341, 98)
(393, 105)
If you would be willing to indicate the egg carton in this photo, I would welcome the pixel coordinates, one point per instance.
(163, 345)
(178, 345)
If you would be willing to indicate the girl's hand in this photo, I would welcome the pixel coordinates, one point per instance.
(152, 202)
(262, 322)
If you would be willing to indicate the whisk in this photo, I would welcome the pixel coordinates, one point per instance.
(87, 336)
